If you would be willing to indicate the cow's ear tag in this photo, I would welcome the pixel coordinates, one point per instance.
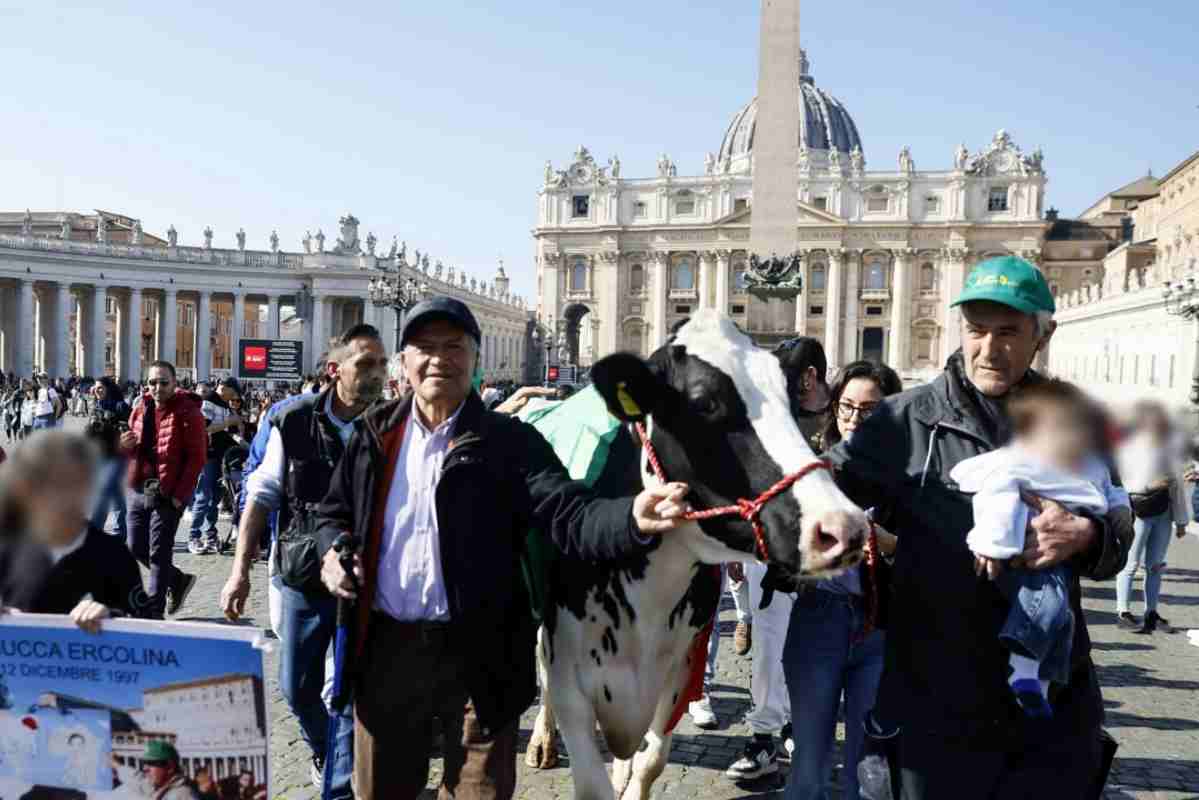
(627, 403)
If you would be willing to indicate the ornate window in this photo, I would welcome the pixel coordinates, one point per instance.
(637, 279)
(683, 277)
(739, 277)
(639, 209)
(932, 204)
(819, 277)
(578, 275)
(632, 337)
(685, 204)
(928, 277)
(580, 205)
(820, 203)
(924, 345)
(876, 205)
(875, 275)
(997, 199)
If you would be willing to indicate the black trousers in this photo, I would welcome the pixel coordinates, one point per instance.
(940, 768)
(151, 539)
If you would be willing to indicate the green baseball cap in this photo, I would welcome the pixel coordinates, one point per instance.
(1008, 280)
(160, 751)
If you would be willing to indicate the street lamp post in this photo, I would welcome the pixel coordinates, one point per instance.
(1182, 300)
(399, 294)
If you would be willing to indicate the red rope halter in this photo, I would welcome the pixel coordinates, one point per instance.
(751, 512)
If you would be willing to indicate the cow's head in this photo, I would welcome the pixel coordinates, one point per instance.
(717, 411)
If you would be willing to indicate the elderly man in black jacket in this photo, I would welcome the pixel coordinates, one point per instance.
(442, 493)
(945, 681)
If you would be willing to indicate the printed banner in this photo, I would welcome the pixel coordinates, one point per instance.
(131, 712)
(271, 360)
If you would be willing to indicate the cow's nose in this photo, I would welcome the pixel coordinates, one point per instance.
(831, 541)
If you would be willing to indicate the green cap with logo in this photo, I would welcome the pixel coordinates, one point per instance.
(1009, 280)
(160, 752)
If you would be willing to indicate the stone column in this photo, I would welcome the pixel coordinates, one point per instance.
(26, 338)
(901, 311)
(133, 365)
(661, 262)
(319, 337)
(97, 330)
(59, 331)
(832, 308)
(722, 281)
(79, 345)
(704, 261)
(801, 301)
(954, 277)
(168, 326)
(853, 304)
(203, 348)
(272, 316)
(239, 328)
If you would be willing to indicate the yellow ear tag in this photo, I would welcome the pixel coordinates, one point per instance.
(627, 402)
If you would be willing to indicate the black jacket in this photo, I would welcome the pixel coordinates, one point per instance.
(946, 671)
(499, 480)
(102, 567)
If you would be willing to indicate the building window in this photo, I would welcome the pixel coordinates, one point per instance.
(740, 204)
(932, 204)
(874, 311)
(632, 338)
(639, 209)
(110, 305)
(876, 204)
(876, 276)
(738, 309)
(578, 276)
(684, 276)
(924, 347)
(580, 205)
(928, 277)
(997, 199)
(682, 309)
(637, 278)
(818, 277)
(816, 311)
(820, 203)
(685, 205)
(739, 277)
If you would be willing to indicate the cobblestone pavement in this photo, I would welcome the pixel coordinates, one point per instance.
(1149, 682)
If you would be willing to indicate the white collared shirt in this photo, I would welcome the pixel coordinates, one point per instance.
(411, 583)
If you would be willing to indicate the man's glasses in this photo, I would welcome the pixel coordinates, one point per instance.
(158, 383)
(847, 410)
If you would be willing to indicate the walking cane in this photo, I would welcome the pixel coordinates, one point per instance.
(345, 545)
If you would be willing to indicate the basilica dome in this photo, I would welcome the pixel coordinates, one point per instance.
(824, 124)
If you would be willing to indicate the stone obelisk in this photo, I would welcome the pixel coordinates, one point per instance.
(774, 218)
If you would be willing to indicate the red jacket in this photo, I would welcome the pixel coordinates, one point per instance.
(181, 446)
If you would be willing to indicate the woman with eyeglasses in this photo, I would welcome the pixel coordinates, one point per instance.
(827, 651)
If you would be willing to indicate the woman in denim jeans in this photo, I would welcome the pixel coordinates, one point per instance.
(825, 653)
(1151, 467)
(110, 413)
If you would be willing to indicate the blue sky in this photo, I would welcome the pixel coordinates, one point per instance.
(433, 120)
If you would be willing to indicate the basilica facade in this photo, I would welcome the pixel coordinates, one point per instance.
(621, 259)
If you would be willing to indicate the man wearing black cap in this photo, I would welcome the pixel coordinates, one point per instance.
(307, 439)
(442, 493)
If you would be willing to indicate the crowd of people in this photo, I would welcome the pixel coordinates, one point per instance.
(992, 490)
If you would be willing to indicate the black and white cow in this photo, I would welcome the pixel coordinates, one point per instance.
(614, 649)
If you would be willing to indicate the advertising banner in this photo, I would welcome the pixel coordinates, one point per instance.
(131, 711)
(270, 360)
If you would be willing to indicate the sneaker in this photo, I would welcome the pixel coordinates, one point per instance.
(1155, 621)
(1127, 621)
(212, 544)
(177, 596)
(1031, 698)
(702, 714)
(195, 546)
(788, 748)
(317, 772)
(743, 638)
(759, 758)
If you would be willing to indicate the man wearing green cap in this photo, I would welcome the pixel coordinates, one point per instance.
(945, 680)
(161, 777)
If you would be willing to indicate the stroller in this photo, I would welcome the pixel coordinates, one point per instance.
(232, 473)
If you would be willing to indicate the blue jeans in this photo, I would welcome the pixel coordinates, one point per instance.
(1040, 624)
(111, 495)
(822, 658)
(308, 622)
(206, 505)
(1149, 547)
(44, 423)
